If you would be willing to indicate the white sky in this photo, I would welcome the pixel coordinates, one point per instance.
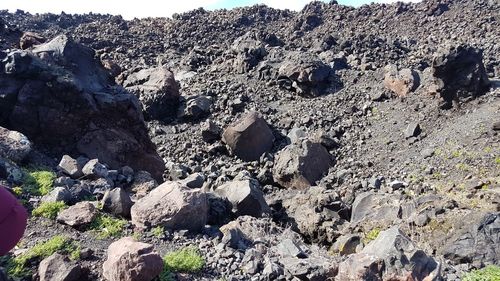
(148, 8)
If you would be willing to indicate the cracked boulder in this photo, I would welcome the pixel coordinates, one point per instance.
(61, 98)
(401, 82)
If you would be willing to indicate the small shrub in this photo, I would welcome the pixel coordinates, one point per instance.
(489, 273)
(187, 260)
(107, 226)
(158, 231)
(49, 209)
(372, 235)
(39, 182)
(18, 266)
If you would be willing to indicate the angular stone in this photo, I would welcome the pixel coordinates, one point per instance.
(245, 197)
(72, 167)
(59, 268)
(129, 260)
(412, 130)
(95, 169)
(156, 89)
(59, 193)
(249, 137)
(117, 202)
(173, 206)
(210, 132)
(301, 165)
(80, 214)
(361, 267)
(400, 82)
(288, 248)
(14, 145)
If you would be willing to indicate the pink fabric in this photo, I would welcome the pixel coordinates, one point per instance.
(13, 219)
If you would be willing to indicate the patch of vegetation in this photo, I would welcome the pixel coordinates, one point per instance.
(39, 182)
(106, 226)
(18, 266)
(158, 231)
(49, 209)
(372, 235)
(497, 160)
(489, 273)
(186, 260)
(18, 191)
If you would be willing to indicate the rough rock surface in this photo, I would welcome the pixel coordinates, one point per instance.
(245, 197)
(172, 206)
(129, 260)
(59, 268)
(77, 215)
(14, 145)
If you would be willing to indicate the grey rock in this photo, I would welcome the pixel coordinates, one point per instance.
(95, 169)
(175, 207)
(301, 165)
(296, 134)
(129, 260)
(14, 145)
(401, 82)
(72, 167)
(288, 247)
(59, 193)
(117, 202)
(360, 267)
(156, 89)
(373, 206)
(80, 214)
(143, 183)
(194, 180)
(412, 130)
(249, 137)
(210, 132)
(245, 197)
(196, 108)
(59, 268)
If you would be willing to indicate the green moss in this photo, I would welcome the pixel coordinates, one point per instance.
(18, 191)
(372, 235)
(158, 231)
(186, 260)
(497, 160)
(18, 266)
(106, 226)
(39, 182)
(489, 273)
(49, 209)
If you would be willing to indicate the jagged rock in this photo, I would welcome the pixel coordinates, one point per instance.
(117, 202)
(10, 171)
(461, 73)
(210, 132)
(374, 206)
(80, 214)
(249, 137)
(401, 256)
(29, 39)
(360, 267)
(245, 197)
(249, 51)
(413, 130)
(194, 180)
(59, 268)
(14, 145)
(289, 248)
(196, 108)
(72, 167)
(478, 244)
(79, 108)
(95, 169)
(176, 207)
(301, 165)
(129, 260)
(315, 213)
(401, 82)
(156, 89)
(305, 75)
(59, 193)
(143, 183)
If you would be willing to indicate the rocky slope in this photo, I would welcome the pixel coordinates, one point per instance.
(328, 144)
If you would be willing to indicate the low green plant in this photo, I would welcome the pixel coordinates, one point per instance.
(18, 191)
(158, 231)
(106, 226)
(18, 266)
(186, 260)
(39, 182)
(489, 273)
(497, 160)
(372, 235)
(49, 209)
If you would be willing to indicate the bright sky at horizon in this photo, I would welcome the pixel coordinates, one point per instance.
(154, 8)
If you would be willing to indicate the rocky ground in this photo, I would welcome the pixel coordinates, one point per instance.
(328, 144)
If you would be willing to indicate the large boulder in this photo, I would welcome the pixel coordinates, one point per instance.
(249, 137)
(80, 214)
(301, 165)
(156, 89)
(249, 51)
(14, 145)
(316, 213)
(172, 206)
(117, 202)
(62, 98)
(245, 197)
(360, 267)
(304, 74)
(401, 256)
(478, 244)
(129, 260)
(400, 82)
(59, 268)
(460, 73)
(375, 206)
